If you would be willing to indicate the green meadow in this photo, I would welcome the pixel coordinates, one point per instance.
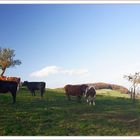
(113, 115)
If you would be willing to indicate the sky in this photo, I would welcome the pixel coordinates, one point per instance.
(72, 43)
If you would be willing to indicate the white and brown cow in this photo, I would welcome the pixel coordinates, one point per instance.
(90, 95)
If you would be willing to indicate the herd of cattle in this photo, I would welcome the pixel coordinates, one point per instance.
(12, 84)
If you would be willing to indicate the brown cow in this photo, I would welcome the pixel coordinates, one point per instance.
(75, 90)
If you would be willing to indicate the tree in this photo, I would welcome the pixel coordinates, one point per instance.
(135, 80)
(7, 59)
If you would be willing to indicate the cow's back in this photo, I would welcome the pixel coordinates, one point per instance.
(74, 90)
(36, 85)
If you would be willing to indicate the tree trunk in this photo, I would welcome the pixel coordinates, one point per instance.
(131, 93)
(134, 94)
(3, 71)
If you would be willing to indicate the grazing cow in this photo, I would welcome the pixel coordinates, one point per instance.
(32, 86)
(9, 86)
(90, 95)
(75, 90)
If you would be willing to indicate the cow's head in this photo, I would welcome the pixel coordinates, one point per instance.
(25, 83)
(89, 90)
(84, 88)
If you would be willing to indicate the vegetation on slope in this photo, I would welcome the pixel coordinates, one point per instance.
(101, 85)
(54, 115)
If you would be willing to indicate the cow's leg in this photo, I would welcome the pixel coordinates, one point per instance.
(68, 96)
(79, 99)
(34, 93)
(94, 101)
(88, 99)
(14, 96)
(42, 92)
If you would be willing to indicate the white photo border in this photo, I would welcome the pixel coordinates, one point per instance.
(70, 137)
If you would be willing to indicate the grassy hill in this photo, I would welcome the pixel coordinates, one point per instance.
(113, 115)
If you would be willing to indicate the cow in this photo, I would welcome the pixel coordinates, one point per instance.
(16, 79)
(33, 86)
(90, 95)
(9, 86)
(75, 90)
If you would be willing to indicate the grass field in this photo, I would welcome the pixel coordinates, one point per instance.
(113, 115)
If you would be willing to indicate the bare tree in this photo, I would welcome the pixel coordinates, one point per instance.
(7, 59)
(135, 80)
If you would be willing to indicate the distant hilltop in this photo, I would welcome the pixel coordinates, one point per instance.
(109, 86)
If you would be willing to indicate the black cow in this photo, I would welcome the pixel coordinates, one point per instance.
(32, 86)
(9, 86)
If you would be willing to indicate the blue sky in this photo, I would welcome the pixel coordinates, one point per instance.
(72, 44)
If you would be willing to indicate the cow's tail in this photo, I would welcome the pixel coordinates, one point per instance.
(18, 86)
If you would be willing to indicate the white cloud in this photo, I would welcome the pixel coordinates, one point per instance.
(57, 70)
(81, 72)
(45, 71)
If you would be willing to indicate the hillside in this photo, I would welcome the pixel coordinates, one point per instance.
(109, 86)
